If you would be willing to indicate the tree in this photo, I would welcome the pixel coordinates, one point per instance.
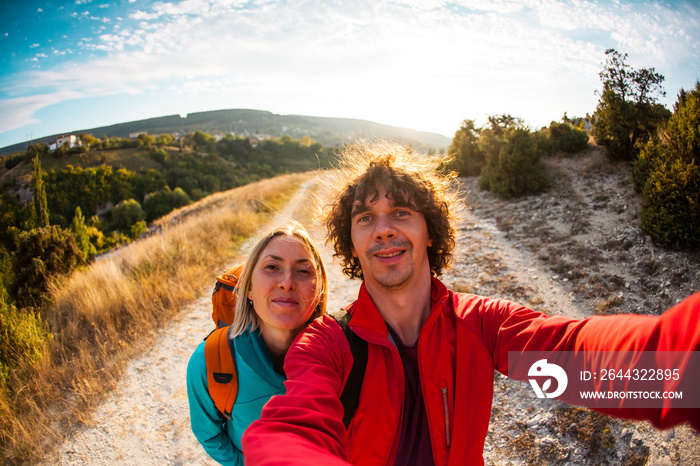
(467, 157)
(42, 254)
(13, 215)
(165, 139)
(668, 174)
(164, 201)
(562, 137)
(513, 165)
(127, 213)
(145, 140)
(202, 139)
(493, 137)
(500, 123)
(146, 182)
(90, 141)
(137, 229)
(627, 113)
(40, 204)
(80, 232)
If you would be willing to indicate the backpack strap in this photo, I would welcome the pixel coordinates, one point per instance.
(350, 397)
(222, 378)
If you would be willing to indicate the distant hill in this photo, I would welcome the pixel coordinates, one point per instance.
(327, 131)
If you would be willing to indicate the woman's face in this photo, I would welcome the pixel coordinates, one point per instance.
(283, 285)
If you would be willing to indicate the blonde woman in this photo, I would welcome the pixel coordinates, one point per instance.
(282, 288)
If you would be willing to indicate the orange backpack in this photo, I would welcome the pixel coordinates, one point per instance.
(222, 379)
(223, 298)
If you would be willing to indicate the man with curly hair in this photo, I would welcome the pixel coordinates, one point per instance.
(428, 382)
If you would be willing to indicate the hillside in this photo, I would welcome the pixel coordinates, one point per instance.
(327, 131)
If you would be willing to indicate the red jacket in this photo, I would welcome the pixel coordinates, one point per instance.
(463, 340)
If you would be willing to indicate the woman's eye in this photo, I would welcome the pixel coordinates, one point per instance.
(271, 267)
(364, 218)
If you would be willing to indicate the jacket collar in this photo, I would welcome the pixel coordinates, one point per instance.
(252, 349)
(366, 315)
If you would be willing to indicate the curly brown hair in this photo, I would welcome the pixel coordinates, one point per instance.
(410, 178)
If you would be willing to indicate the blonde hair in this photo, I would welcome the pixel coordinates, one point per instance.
(245, 317)
(419, 180)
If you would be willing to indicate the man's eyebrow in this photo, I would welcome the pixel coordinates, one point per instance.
(359, 209)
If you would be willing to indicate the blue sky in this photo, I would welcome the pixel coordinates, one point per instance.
(420, 64)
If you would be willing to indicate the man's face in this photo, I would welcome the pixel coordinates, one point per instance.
(391, 242)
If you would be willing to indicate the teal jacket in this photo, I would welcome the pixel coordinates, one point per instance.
(257, 382)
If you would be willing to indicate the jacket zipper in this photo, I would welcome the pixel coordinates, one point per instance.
(447, 414)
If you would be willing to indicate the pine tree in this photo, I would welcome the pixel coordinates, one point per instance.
(80, 232)
(40, 204)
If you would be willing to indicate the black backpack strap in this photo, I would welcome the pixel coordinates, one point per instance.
(350, 397)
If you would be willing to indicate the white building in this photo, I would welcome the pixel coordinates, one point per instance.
(71, 141)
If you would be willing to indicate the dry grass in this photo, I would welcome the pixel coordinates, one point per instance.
(104, 314)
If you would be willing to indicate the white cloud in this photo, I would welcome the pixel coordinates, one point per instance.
(403, 60)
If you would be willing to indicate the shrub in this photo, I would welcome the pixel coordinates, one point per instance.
(516, 168)
(467, 157)
(80, 231)
(137, 229)
(668, 173)
(23, 341)
(160, 155)
(13, 160)
(164, 201)
(42, 254)
(562, 137)
(671, 212)
(127, 213)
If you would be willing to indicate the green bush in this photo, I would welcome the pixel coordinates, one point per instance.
(671, 212)
(516, 169)
(23, 341)
(80, 231)
(42, 254)
(137, 229)
(668, 175)
(164, 201)
(562, 137)
(467, 157)
(127, 213)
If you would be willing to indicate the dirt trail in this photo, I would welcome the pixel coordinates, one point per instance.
(146, 420)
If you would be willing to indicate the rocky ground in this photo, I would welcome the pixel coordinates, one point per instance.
(577, 250)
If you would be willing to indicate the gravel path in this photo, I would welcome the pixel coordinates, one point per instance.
(146, 420)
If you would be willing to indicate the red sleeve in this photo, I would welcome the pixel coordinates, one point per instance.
(305, 426)
(678, 330)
